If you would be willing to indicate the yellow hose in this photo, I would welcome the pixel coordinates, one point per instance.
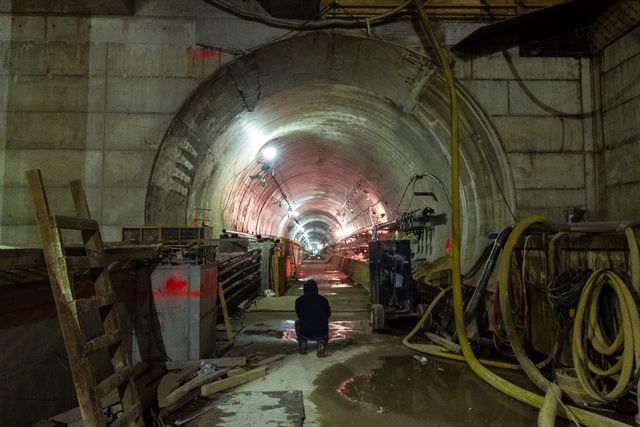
(634, 257)
(627, 337)
(494, 380)
(553, 393)
(423, 348)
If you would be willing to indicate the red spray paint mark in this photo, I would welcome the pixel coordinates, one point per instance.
(447, 247)
(197, 52)
(178, 288)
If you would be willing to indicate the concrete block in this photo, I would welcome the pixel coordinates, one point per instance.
(622, 83)
(19, 235)
(55, 130)
(58, 166)
(128, 168)
(550, 198)
(462, 68)
(5, 57)
(539, 133)
(5, 26)
(547, 170)
(623, 202)
(68, 28)
(65, 94)
(76, 59)
(18, 206)
(451, 33)
(621, 163)
(544, 98)
(3, 133)
(123, 206)
(27, 58)
(495, 66)
(620, 123)
(135, 131)
(27, 28)
(147, 95)
(556, 215)
(621, 50)
(4, 91)
(492, 95)
(177, 8)
(111, 233)
(144, 60)
(225, 31)
(177, 31)
(108, 29)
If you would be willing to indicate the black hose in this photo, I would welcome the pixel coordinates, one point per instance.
(564, 291)
(479, 262)
(489, 265)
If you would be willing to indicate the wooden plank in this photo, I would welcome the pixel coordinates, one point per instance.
(235, 371)
(271, 359)
(93, 303)
(225, 313)
(103, 341)
(73, 415)
(227, 383)
(147, 386)
(110, 383)
(132, 416)
(174, 396)
(73, 223)
(220, 362)
(202, 411)
(85, 262)
(172, 380)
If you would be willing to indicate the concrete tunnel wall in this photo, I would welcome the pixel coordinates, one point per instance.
(352, 123)
(92, 97)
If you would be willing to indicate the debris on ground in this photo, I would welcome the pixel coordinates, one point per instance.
(166, 387)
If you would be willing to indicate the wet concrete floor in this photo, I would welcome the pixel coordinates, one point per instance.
(368, 379)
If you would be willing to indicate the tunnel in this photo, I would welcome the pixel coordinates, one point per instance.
(357, 132)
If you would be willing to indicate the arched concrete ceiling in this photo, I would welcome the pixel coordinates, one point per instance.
(352, 121)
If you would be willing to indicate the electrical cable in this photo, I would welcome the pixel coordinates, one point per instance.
(473, 270)
(311, 26)
(565, 289)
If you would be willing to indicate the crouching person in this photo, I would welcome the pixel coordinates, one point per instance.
(313, 312)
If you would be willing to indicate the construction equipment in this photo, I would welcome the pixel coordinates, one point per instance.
(73, 310)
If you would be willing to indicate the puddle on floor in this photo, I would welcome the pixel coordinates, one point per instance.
(339, 331)
(401, 391)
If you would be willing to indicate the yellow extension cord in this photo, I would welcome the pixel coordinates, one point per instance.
(491, 378)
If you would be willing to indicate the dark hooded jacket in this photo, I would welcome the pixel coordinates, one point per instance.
(313, 311)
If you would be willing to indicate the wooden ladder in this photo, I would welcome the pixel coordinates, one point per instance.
(71, 309)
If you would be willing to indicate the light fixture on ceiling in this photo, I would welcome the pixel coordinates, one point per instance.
(269, 152)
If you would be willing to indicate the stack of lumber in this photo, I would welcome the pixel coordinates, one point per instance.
(164, 387)
(239, 276)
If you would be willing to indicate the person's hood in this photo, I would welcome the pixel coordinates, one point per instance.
(310, 287)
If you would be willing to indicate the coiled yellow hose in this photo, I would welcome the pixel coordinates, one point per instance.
(627, 339)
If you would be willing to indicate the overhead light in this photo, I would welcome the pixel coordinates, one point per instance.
(269, 153)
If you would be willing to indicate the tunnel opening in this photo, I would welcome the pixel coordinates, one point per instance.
(319, 136)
